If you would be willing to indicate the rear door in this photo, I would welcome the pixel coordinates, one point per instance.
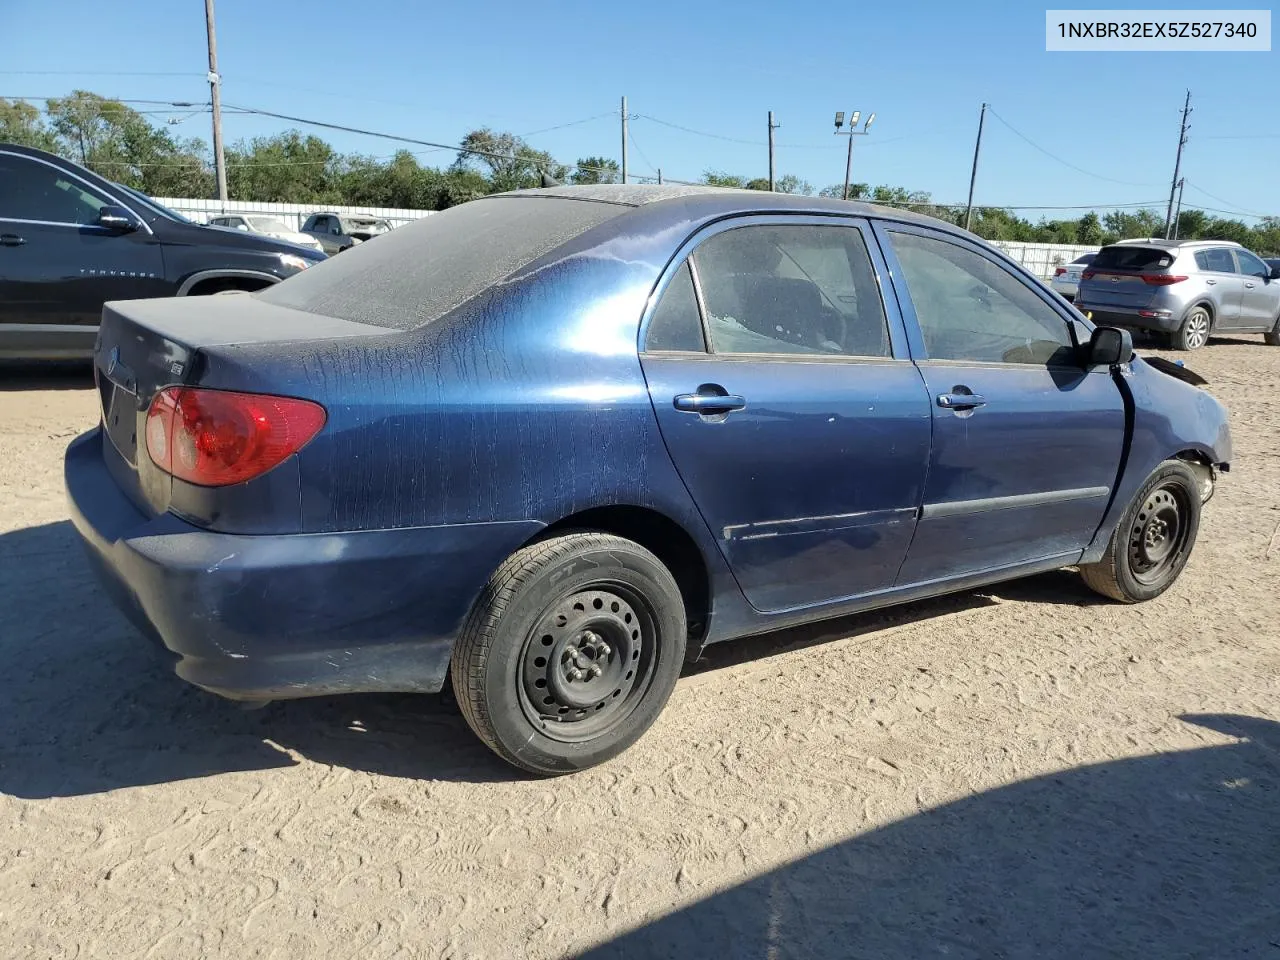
(1260, 296)
(57, 266)
(784, 392)
(1026, 442)
(1225, 285)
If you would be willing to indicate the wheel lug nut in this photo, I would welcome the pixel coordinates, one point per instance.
(596, 670)
(603, 649)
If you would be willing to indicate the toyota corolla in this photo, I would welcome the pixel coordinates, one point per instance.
(546, 446)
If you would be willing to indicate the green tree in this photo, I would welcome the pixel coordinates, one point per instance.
(790, 183)
(719, 178)
(20, 123)
(1089, 229)
(285, 168)
(511, 163)
(595, 170)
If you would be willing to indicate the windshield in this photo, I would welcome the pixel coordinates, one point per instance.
(151, 206)
(269, 225)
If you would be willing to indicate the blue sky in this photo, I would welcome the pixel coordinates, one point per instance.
(435, 71)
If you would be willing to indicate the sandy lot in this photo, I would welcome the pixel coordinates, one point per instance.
(1026, 771)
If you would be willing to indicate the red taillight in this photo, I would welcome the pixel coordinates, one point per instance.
(1161, 279)
(1060, 271)
(1088, 275)
(216, 437)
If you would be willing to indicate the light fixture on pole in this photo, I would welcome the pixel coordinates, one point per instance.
(852, 132)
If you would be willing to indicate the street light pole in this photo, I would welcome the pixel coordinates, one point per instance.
(852, 132)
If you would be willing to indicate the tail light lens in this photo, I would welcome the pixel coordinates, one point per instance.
(1059, 271)
(1161, 279)
(217, 437)
(1088, 275)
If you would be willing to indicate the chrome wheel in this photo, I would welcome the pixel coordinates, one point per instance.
(587, 662)
(1195, 332)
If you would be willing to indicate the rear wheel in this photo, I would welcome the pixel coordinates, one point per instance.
(1153, 540)
(1273, 335)
(570, 653)
(1194, 332)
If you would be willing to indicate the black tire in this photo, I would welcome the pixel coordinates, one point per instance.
(615, 622)
(1194, 331)
(1153, 540)
(1272, 336)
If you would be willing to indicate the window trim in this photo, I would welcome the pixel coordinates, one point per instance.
(115, 201)
(895, 323)
(1071, 318)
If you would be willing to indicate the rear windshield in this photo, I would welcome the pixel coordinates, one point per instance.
(1085, 258)
(1132, 258)
(419, 272)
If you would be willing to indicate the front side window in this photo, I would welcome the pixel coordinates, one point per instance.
(792, 289)
(30, 190)
(971, 308)
(1252, 266)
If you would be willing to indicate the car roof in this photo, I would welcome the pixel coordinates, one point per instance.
(726, 200)
(1173, 244)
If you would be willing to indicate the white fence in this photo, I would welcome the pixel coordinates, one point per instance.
(1041, 258)
(294, 214)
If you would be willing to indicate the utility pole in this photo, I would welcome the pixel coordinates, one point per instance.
(624, 139)
(1177, 163)
(659, 176)
(1177, 215)
(772, 127)
(973, 176)
(215, 81)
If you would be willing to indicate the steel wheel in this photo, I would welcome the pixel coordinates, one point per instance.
(587, 662)
(1158, 537)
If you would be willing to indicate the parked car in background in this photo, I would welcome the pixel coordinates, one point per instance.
(341, 231)
(266, 227)
(552, 443)
(1066, 278)
(1186, 289)
(71, 240)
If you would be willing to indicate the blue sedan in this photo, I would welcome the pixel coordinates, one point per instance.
(548, 445)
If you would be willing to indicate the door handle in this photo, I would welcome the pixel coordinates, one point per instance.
(1211, 282)
(961, 401)
(706, 403)
(1250, 285)
(11, 240)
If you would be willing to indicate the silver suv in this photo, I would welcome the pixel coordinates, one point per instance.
(1186, 289)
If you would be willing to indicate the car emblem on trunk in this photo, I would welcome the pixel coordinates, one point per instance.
(1115, 279)
(113, 360)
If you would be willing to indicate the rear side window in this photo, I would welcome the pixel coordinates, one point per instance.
(1132, 258)
(1216, 260)
(421, 271)
(791, 289)
(676, 323)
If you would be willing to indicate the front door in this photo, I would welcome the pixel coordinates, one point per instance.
(57, 266)
(1026, 442)
(1260, 298)
(786, 399)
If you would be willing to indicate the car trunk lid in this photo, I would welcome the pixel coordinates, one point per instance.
(146, 345)
(1121, 276)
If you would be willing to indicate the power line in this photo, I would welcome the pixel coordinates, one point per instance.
(1054, 156)
(98, 73)
(1211, 196)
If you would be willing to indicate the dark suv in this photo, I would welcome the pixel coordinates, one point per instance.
(71, 240)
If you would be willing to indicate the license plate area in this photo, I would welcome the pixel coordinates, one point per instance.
(120, 413)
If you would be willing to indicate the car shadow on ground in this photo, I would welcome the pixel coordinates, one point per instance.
(92, 706)
(1170, 855)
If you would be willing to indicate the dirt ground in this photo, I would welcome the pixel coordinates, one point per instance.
(1025, 771)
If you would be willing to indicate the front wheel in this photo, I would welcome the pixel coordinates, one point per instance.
(570, 653)
(1153, 540)
(1194, 332)
(1272, 336)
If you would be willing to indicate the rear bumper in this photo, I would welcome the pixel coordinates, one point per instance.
(1120, 317)
(286, 616)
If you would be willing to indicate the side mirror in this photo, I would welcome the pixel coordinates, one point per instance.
(117, 218)
(1274, 274)
(1109, 346)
